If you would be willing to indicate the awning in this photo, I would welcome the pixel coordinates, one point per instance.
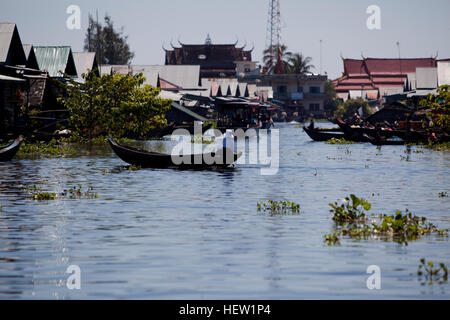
(189, 112)
(8, 78)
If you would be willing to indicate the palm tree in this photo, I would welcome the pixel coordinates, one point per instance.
(285, 57)
(298, 64)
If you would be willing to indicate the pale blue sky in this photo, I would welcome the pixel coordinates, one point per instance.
(422, 27)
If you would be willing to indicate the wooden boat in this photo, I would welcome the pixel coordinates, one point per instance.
(320, 135)
(147, 159)
(360, 134)
(386, 141)
(8, 152)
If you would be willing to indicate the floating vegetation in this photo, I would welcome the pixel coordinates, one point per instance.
(279, 207)
(134, 168)
(339, 141)
(351, 219)
(429, 274)
(445, 146)
(443, 194)
(332, 239)
(43, 149)
(36, 193)
(352, 210)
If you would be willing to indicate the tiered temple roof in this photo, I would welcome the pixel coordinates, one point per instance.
(215, 60)
(375, 74)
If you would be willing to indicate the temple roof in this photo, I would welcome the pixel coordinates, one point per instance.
(213, 59)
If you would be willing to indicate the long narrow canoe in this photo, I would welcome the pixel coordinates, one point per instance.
(147, 159)
(319, 135)
(386, 141)
(8, 152)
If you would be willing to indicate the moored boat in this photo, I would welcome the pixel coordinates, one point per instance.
(147, 159)
(8, 152)
(320, 135)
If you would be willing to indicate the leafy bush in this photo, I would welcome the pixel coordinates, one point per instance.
(439, 106)
(117, 105)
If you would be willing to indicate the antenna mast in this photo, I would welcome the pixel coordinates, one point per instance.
(273, 38)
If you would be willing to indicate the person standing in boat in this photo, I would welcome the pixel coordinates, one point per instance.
(311, 124)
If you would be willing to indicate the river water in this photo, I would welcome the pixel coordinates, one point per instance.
(171, 234)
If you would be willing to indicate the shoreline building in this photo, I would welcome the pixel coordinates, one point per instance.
(375, 78)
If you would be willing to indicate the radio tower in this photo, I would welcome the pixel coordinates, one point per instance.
(273, 40)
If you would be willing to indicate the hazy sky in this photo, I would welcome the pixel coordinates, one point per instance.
(422, 27)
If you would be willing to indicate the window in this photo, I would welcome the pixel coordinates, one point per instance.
(314, 89)
(314, 107)
(299, 89)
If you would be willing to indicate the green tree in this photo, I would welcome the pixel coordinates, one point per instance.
(298, 64)
(117, 105)
(111, 45)
(439, 108)
(268, 55)
(351, 106)
(331, 102)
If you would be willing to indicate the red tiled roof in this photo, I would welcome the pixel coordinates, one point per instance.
(355, 81)
(397, 66)
(354, 67)
(354, 87)
(378, 80)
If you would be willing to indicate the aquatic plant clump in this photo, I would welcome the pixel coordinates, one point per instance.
(405, 226)
(279, 207)
(36, 193)
(43, 149)
(339, 141)
(352, 221)
(353, 209)
(430, 274)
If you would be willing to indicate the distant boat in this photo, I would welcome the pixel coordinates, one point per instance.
(392, 141)
(147, 159)
(321, 135)
(8, 152)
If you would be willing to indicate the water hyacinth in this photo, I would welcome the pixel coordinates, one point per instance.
(351, 219)
(37, 194)
(430, 274)
(279, 207)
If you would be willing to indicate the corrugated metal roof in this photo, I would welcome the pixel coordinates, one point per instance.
(11, 50)
(84, 62)
(443, 73)
(184, 76)
(27, 49)
(55, 60)
(426, 78)
(6, 34)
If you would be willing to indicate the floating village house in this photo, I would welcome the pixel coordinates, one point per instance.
(12, 84)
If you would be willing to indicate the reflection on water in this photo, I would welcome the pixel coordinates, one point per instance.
(190, 234)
